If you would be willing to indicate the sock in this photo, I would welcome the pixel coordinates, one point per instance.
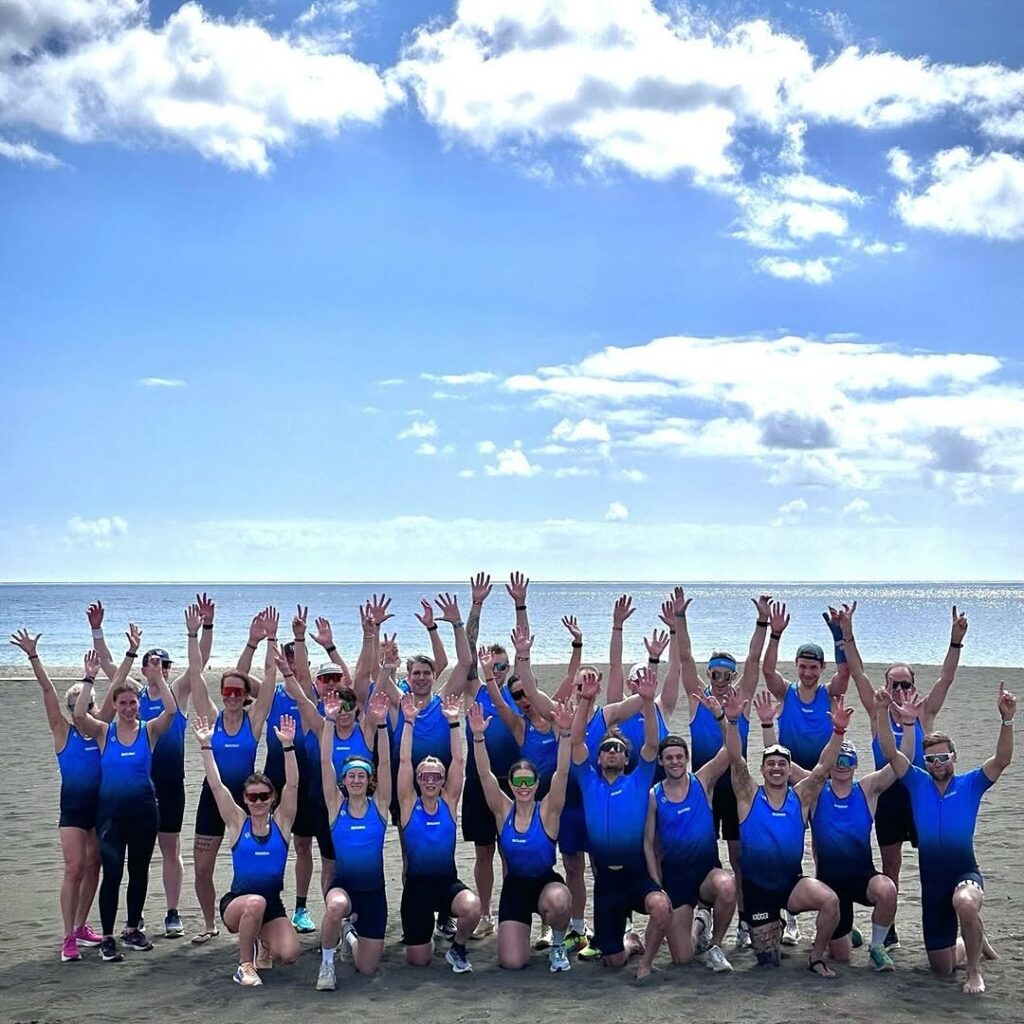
(557, 936)
(172, 911)
(878, 933)
(328, 955)
(460, 946)
(300, 902)
(577, 924)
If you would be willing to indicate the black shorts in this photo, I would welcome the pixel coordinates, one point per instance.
(726, 815)
(422, 898)
(275, 908)
(78, 816)
(617, 894)
(478, 824)
(208, 819)
(764, 906)
(682, 883)
(311, 822)
(520, 895)
(894, 819)
(849, 891)
(371, 908)
(170, 802)
(938, 918)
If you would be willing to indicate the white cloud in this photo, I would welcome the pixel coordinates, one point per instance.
(231, 90)
(968, 194)
(371, 410)
(390, 382)
(616, 512)
(584, 430)
(467, 474)
(634, 476)
(26, 153)
(160, 382)
(512, 462)
(879, 248)
(816, 271)
(564, 472)
(901, 166)
(860, 509)
(460, 379)
(790, 513)
(818, 469)
(99, 533)
(486, 447)
(427, 449)
(419, 428)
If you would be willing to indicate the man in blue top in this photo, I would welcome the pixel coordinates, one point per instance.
(945, 809)
(615, 809)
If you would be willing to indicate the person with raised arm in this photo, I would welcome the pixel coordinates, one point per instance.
(681, 852)
(527, 833)
(235, 735)
(432, 884)
(358, 818)
(169, 753)
(952, 888)
(720, 676)
(78, 759)
(773, 819)
(894, 820)
(372, 616)
(126, 816)
(259, 630)
(615, 808)
(252, 907)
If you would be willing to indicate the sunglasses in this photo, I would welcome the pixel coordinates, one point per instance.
(902, 684)
(429, 777)
(523, 781)
(612, 747)
(937, 758)
(232, 691)
(259, 797)
(721, 675)
(518, 695)
(846, 761)
(347, 705)
(499, 666)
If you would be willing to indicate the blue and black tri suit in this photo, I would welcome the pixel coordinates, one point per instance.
(841, 826)
(235, 756)
(572, 827)
(79, 764)
(705, 742)
(431, 737)
(168, 763)
(805, 728)
(259, 863)
(307, 758)
(772, 850)
(359, 865)
(688, 842)
(632, 729)
(945, 841)
(530, 862)
(894, 819)
(616, 814)
(478, 825)
(431, 879)
(127, 821)
(540, 748)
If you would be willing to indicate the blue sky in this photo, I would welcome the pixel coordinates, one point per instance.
(370, 290)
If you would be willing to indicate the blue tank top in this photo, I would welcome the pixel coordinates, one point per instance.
(274, 766)
(596, 728)
(235, 754)
(169, 752)
(312, 779)
(772, 842)
(259, 861)
(529, 854)
(430, 735)
(633, 729)
(615, 813)
(125, 783)
(706, 741)
(897, 730)
(352, 746)
(79, 763)
(430, 840)
(686, 829)
(359, 849)
(946, 822)
(502, 748)
(841, 827)
(541, 747)
(805, 728)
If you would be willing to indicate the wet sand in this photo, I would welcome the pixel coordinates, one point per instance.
(179, 981)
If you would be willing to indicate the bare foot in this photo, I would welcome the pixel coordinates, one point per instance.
(632, 944)
(975, 983)
(643, 970)
(986, 949)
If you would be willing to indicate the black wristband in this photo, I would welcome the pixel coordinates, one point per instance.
(91, 680)
(192, 636)
(761, 625)
(453, 725)
(479, 739)
(432, 629)
(577, 645)
(206, 748)
(520, 607)
(33, 657)
(719, 718)
(383, 725)
(330, 650)
(953, 644)
(288, 750)
(131, 654)
(654, 661)
(251, 647)
(299, 640)
(671, 632)
(775, 636)
(207, 625)
(767, 725)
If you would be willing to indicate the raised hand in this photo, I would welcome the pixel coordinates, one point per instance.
(324, 635)
(206, 608)
(570, 623)
(389, 657)
(378, 609)
(378, 708)
(734, 706)
(427, 618)
(134, 635)
(562, 715)
(1007, 703)
(193, 618)
(299, 621)
(23, 639)
(763, 604)
(711, 703)
(281, 661)
(409, 708)
(203, 730)
(882, 701)
(779, 618)
(285, 730)
(844, 616)
(766, 707)
(480, 587)
(94, 613)
(271, 621)
(451, 707)
(834, 623)
(449, 605)
(645, 683)
(516, 587)
(332, 705)
(907, 710)
(657, 644)
(840, 713)
(680, 602)
(522, 641)
(257, 628)
(91, 665)
(621, 610)
(959, 627)
(590, 684)
(477, 723)
(485, 658)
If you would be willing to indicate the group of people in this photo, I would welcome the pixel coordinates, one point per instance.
(350, 752)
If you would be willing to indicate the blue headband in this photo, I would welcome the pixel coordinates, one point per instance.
(357, 763)
(726, 663)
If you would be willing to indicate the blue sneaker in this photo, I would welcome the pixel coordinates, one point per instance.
(137, 940)
(109, 952)
(302, 922)
(458, 957)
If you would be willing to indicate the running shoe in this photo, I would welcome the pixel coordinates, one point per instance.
(137, 940)
(544, 939)
(575, 940)
(484, 928)
(302, 922)
(173, 928)
(880, 959)
(325, 980)
(557, 959)
(458, 957)
(743, 935)
(110, 952)
(701, 930)
(445, 928)
(892, 940)
(716, 960)
(791, 933)
(69, 950)
(85, 936)
(856, 939)
(589, 951)
(348, 940)
(246, 975)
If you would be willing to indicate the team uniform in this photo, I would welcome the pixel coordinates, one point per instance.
(632, 729)
(311, 818)
(530, 862)
(616, 814)
(945, 836)
(431, 879)
(772, 849)
(235, 755)
(894, 819)
(430, 738)
(79, 764)
(258, 863)
(540, 748)
(688, 842)
(841, 827)
(478, 825)
(168, 764)
(805, 728)
(705, 743)
(572, 826)
(359, 866)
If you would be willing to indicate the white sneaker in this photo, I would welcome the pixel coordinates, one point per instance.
(791, 933)
(557, 959)
(716, 960)
(246, 975)
(325, 980)
(348, 941)
(484, 927)
(544, 939)
(743, 935)
(701, 930)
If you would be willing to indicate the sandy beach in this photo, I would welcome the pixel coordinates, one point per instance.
(190, 983)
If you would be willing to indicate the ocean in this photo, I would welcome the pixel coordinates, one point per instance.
(894, 621)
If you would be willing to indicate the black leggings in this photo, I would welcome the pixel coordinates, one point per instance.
(133, 834)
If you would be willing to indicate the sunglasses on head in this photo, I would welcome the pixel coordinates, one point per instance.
(430, 777)
(943, 758)
(523, 781)
(720, 675)
(612, 747)
(499, 666)
(258, 796)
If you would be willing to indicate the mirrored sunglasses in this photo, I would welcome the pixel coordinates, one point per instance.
(259, 796)
(523, 781)
(612, 747)
(943, 758)
(430, 776)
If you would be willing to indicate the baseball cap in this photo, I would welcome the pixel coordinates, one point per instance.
(812, 651)
(156, 652)
(328, 669)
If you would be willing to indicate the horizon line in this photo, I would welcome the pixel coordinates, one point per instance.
(495, 581)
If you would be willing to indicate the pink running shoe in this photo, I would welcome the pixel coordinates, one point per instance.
(69, 950)
(85, 936)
